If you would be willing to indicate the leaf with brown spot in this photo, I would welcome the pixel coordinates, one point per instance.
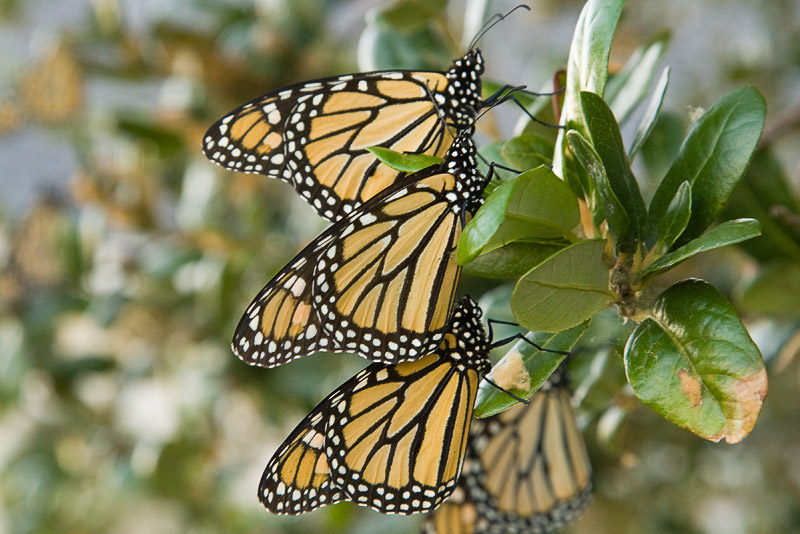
(691, 388)
(524, 369)
(693, 362)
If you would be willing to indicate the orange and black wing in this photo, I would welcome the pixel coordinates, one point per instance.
(392, 438)
(298, 478)
(380, 282)
(315, 135)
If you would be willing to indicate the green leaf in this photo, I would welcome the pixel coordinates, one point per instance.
(607, 141)
(493, 153)
(694, 363)
(564, 290)
(512, 260)
(404, 162)
(612, 209)
(662, 146)
(727, 233)
(142, 127)
(524, 369)
(677, 216)
(528, 151)
(627, 89)
(534, 205)
(774, 292)
(713, 159)
(764, 194)
(587, 66)
(648, 121)
(417, 47)
(408, 15)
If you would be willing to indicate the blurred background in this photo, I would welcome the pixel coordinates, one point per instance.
(126, 260)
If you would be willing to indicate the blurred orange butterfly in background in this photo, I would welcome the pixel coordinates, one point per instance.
(527, 470)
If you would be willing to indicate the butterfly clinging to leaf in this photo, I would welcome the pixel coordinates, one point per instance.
(392, 438)
(315, 135)
(379, 282)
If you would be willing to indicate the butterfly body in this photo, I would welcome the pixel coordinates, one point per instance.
(391, 438)
(379, 282)
(315, 135)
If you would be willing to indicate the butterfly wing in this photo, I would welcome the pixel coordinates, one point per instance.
(386, 285)
(527, 470)
(379, 282)
(298, 478)
(392, 438)
(399, 441)
(314, 135)
(280, 324)
(457, 515)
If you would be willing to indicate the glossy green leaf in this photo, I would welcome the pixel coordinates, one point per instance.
(727, 233)
(528, 151)
(535, 204)
(627, 89)
(512, 260)
(404, 162)
(487, 220)
(613, 210)
(524, 369)
(713, 159)
(694, 363)
(648, 120)
(587, 66)
(564, 290)
(607, 141)
(677, 217)
(775, 291)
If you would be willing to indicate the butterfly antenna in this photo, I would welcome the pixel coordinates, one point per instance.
(516, 398)
(494, 19)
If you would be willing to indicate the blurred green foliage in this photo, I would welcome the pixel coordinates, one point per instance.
(122, 408)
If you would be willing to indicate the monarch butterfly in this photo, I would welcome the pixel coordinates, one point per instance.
(526, 470)
(379, 282)
(314, 135)
(391, 438)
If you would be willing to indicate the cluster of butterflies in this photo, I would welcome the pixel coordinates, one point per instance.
(397, 437)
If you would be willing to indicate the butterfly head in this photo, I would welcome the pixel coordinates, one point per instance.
(464, 89)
